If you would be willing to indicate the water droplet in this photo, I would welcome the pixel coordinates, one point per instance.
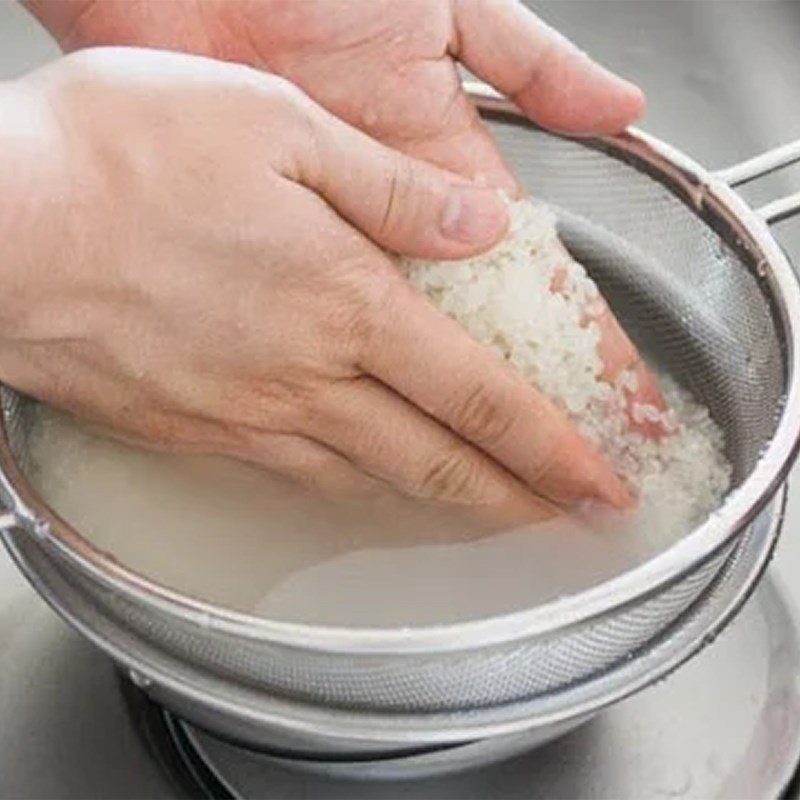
(139, 680)
(41, 529)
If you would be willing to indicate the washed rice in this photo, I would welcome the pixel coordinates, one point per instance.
(238, 537)
(504, 298)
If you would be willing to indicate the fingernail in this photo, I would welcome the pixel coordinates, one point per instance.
(474, 216)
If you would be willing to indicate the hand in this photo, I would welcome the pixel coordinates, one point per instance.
(386, 67)
(190, 270)
(389, 68)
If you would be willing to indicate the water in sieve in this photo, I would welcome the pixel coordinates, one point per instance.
(235, 536)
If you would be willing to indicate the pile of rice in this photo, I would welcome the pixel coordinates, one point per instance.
(504, 298)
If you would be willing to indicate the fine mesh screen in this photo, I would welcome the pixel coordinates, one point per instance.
(451, 681)
(691, 299)
(684, 294)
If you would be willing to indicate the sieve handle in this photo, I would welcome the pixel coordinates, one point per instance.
(765, 164)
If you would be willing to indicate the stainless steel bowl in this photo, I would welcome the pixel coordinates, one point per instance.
(711, 292)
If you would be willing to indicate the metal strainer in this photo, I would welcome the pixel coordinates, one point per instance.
(707, 290)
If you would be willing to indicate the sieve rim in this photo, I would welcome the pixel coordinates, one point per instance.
(710, 198)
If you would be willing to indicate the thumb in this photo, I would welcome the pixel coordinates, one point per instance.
(405, 205)
(550, 79)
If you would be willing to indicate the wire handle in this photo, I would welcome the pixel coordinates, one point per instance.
(765, 164)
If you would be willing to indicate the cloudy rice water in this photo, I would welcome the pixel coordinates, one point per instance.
(233, 535)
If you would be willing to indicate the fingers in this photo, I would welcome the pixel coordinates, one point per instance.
(386, 436)
(405, 205)
(549, 78)
(619, 355)
(432, 361)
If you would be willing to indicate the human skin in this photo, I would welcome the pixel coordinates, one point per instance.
(196, 256)
(389, 68)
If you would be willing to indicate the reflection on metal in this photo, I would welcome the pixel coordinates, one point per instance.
(728, 725)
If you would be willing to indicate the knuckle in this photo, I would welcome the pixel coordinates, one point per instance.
(375, 309)
(542, 462)
(281, 404)
(544, 56)
(289, 109)
(451, 475)
(297, 110)
(326, 410)
(484, 416)
(276, 94)
(350, 314)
